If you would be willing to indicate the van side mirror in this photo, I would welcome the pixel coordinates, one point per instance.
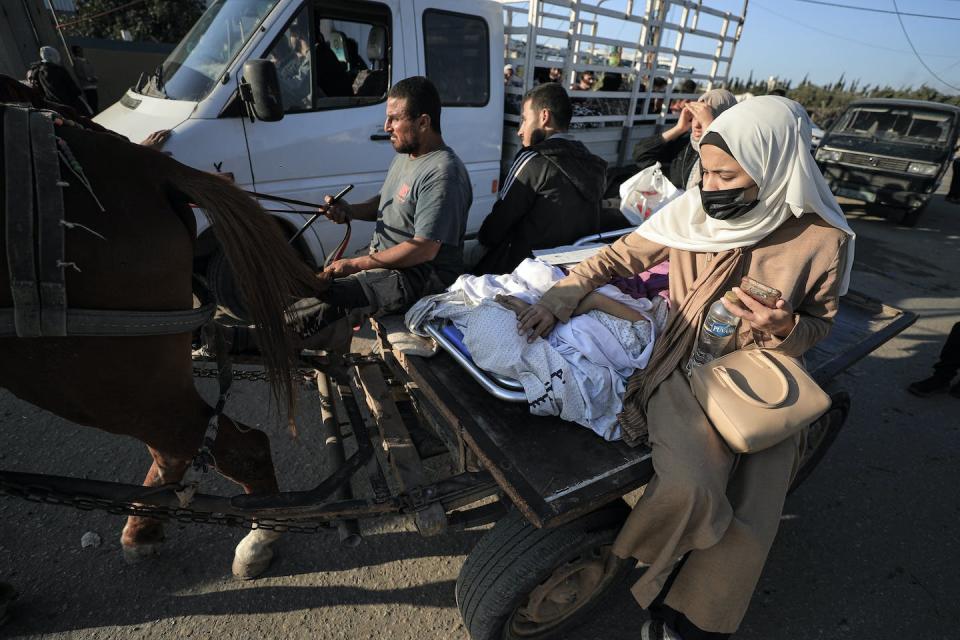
(260, 90)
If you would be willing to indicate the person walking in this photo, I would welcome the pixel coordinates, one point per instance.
(944, 370)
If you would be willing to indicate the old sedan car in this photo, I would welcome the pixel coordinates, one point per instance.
(890, 152)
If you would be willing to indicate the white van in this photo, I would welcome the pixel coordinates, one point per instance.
(325, 140)
(336, 60)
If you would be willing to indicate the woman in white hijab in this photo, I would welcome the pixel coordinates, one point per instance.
(762, 210)
(676, 148)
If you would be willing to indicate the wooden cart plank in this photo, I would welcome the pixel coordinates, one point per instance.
(396, 442)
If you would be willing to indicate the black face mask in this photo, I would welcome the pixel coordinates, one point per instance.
(727, 204)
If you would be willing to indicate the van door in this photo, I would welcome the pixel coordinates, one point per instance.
(460, 48)
(335, 59)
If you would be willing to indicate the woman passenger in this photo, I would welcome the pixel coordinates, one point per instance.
(676, 148)
(763, 210)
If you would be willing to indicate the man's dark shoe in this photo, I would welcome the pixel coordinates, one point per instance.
(930, 386)
(955, 390)
(7, 595)
(953, 199)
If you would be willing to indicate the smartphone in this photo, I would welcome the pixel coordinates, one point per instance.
(767, 296)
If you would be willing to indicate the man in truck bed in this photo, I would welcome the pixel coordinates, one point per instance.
(551, 195)
(421, 216)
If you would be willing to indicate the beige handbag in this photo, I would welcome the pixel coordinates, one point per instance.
(756, 398)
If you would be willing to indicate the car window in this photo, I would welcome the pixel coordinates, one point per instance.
(334, 56)
(890, 123)
(457, 57)
(292, 57)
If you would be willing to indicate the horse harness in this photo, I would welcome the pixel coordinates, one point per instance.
(37, 260)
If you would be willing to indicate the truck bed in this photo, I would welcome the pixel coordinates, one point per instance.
(555, 471)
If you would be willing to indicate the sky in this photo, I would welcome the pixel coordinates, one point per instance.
(789, 39)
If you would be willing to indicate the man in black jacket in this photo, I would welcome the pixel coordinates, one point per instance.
(551, 195)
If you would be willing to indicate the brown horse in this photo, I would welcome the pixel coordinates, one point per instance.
(143, 386)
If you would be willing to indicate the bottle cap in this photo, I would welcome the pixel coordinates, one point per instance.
(732, 297)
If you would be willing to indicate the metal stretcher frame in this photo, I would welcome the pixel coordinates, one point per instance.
(499, 387)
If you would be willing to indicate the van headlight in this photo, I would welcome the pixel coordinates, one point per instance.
(922, 168)
(829, 155)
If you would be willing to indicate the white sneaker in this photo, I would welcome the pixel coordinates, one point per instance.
(657, 630)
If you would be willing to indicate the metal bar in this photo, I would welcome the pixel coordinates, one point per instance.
(531, 53)
(573, 44)
(475, 372)
(348, 530)
(603, 237)
(348, 398)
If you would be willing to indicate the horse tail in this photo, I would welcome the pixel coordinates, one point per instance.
(270, 272)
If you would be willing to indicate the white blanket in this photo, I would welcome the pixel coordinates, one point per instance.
(578, 373)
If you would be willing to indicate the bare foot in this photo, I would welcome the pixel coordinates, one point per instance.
(513, 303)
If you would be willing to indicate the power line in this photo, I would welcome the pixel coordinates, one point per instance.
(847, 38)
(871, 10)
(910, 42)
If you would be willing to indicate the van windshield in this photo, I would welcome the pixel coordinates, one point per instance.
(896, 123)
(202, 56)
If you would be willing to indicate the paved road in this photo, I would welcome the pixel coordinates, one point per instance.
(868, 547)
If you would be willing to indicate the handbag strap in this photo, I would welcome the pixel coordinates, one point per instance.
(763, 358)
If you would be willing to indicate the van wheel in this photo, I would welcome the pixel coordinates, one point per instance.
(224, 287)
(521, 582)
(912, 216)
(820, 435)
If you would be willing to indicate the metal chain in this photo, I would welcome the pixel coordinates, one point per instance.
(305, 376)
(44, 495)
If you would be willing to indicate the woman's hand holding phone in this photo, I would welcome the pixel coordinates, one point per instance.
(777, 321)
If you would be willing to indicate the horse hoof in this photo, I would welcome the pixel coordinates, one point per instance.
(134, 553)
(254, 554)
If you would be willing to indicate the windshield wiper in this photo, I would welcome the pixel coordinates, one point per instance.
(158, 81)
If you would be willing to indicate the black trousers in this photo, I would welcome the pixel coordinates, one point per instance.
(676, 620)
(949, 362)
(344, 295)
(309, 315)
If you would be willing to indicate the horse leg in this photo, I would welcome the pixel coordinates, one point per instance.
(243, 455)
(141, 537)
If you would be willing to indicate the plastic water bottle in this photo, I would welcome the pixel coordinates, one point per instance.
(717, 332)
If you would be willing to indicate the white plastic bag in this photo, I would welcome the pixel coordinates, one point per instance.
(645, 193)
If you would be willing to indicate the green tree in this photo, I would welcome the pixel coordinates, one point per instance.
(147, 20)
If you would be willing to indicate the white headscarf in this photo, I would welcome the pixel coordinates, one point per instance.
(49, 54)
(770, 137)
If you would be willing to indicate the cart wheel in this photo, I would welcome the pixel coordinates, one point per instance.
(820, 435)
(523, 582)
